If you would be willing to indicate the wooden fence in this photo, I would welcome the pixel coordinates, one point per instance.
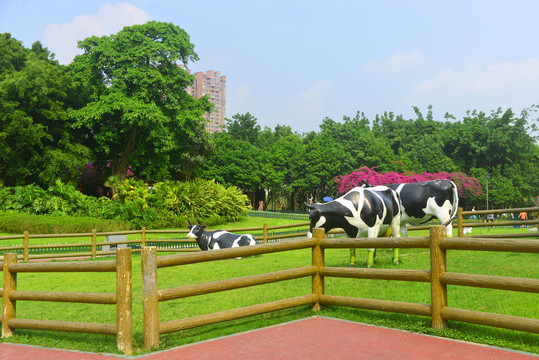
(461, 224)
(122, 329)
(96, 241)
(152, 295)
(266, 234)
(437, 276)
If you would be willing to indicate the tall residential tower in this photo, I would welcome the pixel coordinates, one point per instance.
(212, 84)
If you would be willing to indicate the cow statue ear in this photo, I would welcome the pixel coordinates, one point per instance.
(204, 227)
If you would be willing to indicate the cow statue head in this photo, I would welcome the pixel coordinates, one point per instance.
(315, 217)
(195, 231)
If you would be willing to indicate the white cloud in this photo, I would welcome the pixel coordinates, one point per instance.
(507, 84)
(312, 101)
(62, 38)
(396, 62)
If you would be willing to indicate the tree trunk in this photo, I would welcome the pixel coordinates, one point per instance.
(121, 170)
(293, 199)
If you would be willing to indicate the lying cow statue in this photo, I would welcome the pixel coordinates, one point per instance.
(218, 239)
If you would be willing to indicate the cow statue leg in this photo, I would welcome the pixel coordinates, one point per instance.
(352, 258)
(449, 230)
(404, 230)
(396, 256)
(395, 230)
(372, 233)
(370, 257)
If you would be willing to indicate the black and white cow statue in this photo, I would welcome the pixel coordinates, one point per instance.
(423, 201)
(361, 213)
(218, 239)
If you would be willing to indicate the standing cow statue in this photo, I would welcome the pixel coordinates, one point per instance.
(361, 212)
(218, 239)
(423, 201)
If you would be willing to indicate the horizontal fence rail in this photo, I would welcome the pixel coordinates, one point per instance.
(474, 215)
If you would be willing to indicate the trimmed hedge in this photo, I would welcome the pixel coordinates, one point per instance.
(17, 223)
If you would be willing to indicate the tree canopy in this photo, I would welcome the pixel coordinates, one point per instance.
(37, 140)
(121, 108)
(138, 113)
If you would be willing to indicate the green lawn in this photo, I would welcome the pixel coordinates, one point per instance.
(491, 263)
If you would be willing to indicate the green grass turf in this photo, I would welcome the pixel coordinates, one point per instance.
(490, 263)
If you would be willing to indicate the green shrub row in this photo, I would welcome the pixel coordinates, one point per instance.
(164, 205)
(17, 223)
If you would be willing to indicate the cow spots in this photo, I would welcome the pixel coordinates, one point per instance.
(218, 239)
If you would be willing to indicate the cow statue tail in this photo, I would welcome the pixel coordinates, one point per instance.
(455, 207)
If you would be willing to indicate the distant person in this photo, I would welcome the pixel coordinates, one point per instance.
(473, 216)
(490, 217)
(523, 215)
(260, 205)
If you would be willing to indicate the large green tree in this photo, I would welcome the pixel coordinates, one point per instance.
(139, 114)
(38, 144)
(13, 55)
(282, 162)
(243, 127)
(235, 162)
(358, 144)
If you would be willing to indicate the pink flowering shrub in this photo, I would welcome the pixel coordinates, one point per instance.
(468, 187)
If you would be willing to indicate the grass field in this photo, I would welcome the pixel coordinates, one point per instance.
(491, 263)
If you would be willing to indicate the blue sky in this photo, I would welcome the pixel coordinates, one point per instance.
(296, 62)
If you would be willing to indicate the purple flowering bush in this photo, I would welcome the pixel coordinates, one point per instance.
(468, 187)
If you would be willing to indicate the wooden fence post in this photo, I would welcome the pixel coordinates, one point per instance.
(265, 232)
(94, 243)
(26, 244)
(150, 299)
(143, 237)
(437, 268)
(124, 321)
(318, 261)
(460, 222)
(10, 284)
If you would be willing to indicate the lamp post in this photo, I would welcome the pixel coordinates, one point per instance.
(487, 176)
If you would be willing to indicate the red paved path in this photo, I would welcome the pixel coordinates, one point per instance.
(311, 338)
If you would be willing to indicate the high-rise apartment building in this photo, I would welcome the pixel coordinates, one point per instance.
(212, 84)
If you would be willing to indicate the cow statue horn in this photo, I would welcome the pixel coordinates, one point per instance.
(366, 183)
(312, 207)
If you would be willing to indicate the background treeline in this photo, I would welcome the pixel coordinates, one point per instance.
(120, 109)
(294, 167)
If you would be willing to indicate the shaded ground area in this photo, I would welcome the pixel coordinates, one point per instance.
(310, 338)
